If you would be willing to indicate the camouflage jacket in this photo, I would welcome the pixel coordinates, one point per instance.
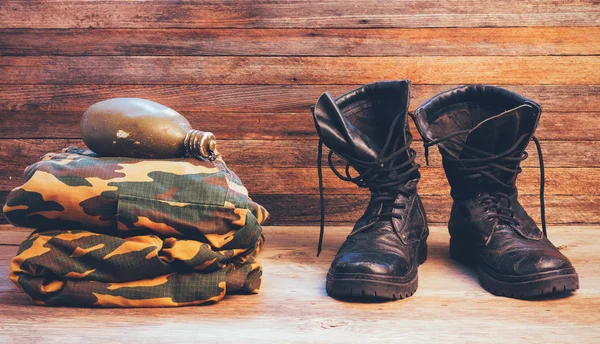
(127, 232)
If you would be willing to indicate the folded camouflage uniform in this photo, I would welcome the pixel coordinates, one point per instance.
(124, 232)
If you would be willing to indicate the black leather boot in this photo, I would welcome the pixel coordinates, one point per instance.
(368, 128)
(482, 133)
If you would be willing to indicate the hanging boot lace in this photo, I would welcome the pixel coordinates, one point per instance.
(484, 164)
(383, 177)
(482, 132)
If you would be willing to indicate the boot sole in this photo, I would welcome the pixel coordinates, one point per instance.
(373, 287)
(521, 287)
(543, 284)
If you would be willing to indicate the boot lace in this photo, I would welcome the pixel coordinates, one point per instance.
(479, 163)
(375, 176)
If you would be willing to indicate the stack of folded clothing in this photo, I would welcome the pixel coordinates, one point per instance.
(127, 232)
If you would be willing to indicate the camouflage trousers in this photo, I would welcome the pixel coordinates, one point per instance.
(123, 232)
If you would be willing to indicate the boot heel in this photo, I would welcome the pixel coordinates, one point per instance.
(423, 252)
(462, 251)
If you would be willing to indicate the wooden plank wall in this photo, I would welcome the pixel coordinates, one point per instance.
(249, 70)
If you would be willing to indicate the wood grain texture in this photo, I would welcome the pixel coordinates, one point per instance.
(235, 70)
(517, 41)
(559, 181)
(304, 209)
(566, 126)
(273, 180)
(296, 14)
(301, 180)
(12, 236)
(216, 99)
(248, 126)
(249, 153)
(16, 153)
(292, 304)
(298, 161)
(301, 209)
(249, 70)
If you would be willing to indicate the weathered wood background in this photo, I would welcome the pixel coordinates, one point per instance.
(249, 70)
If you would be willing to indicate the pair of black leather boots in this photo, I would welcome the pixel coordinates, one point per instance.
(481, 132)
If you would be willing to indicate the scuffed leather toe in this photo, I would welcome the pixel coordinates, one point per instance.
(372, 263)
(530, 261)
(511, 254)
(539, 262)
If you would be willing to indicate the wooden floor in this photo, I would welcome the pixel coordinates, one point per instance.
(292, 306)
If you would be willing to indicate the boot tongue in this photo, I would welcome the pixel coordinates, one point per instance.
(497, 134)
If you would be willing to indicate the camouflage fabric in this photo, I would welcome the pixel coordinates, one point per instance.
(124, 232)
